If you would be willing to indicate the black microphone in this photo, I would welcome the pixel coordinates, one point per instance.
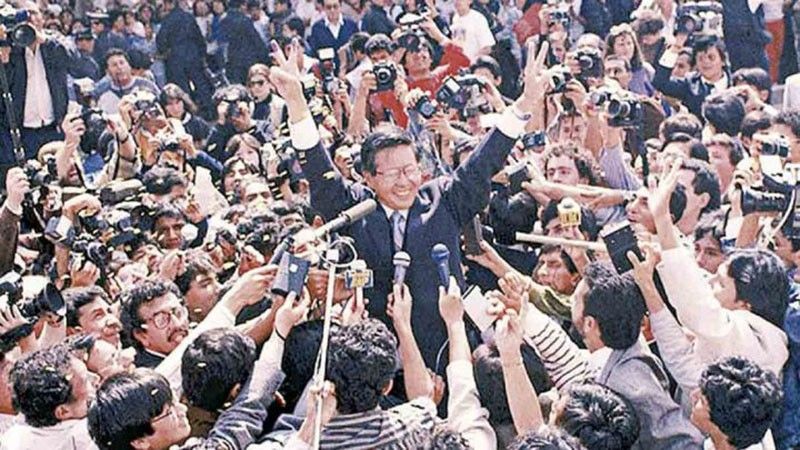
(346, 217)
(280, 250)
(441, 256)
(401, 262)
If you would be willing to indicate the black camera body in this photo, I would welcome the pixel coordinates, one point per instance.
(590, 61)
(559, 15)
(89, 249)
(425, 107)
(600, 97)
(385, 75)
(534, 139)
(40, 176)
(775, 145)
(456, 92)
(624, 111)
(412, 35)
(49, 300)
(560, 76)
(699, 18)
(96, 123)
(20, 33)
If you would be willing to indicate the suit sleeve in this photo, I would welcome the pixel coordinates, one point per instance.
(666, 83)
(329, 192)
(471, 184)
(163, 39)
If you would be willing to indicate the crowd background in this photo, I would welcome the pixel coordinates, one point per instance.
(577, 224)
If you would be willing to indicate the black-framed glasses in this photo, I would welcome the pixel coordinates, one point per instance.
(394, 174)
(162, 319)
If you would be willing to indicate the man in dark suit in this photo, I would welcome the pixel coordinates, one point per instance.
(376, 20)
(411, 216)
(183, 44)
(332, 31)
(710, 59)
(37, 77)
(245, 46)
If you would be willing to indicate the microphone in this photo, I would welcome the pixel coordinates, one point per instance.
(401, 262)
(280, 250)
(441, 256)
(346, 217)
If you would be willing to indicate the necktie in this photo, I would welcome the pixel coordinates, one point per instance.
(398, 229)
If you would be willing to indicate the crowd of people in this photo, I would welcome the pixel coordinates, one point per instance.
(422, 224)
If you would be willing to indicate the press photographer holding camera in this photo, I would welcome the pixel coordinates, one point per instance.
(235, 115)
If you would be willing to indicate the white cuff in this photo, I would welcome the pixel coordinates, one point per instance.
(668, 59)
(510, 124)
(305, 134)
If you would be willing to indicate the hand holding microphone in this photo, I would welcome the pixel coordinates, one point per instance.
(441, 256)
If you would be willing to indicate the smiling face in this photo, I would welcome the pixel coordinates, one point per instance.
(397, 177)
(101, 320)
(710, 63)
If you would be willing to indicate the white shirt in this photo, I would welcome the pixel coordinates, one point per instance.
(390, 211)
(472, 32)
(765, 444)
(66, 435)
(38, 102)
(334, 27)
(791, 93)
(719, 85)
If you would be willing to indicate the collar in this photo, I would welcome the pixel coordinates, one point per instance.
(719, 85)
(155, 353)
(338, 24)
(187, 116)
(390, 211)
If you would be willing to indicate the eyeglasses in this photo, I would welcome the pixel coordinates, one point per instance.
(162, 318)
(394, 174)
(257, 82)
(168, 413)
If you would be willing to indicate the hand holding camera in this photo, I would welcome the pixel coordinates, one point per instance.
(84, 203)
(17, 186)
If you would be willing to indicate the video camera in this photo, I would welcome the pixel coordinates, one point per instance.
(411, 33)
(49, 300)
(699, 18)
(21, 33)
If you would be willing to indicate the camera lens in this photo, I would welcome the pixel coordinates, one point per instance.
(618, 108)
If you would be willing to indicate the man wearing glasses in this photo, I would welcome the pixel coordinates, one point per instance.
(332, 31)
(415, 212)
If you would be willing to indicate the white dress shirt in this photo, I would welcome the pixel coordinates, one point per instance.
(334, 27)
(38, 102)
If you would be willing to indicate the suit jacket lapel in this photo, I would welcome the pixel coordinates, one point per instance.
(380, 232)
(413, 225)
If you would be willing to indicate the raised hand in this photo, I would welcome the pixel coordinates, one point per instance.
(450, 306)
(291, 313)
(535, 79)
(399, 306)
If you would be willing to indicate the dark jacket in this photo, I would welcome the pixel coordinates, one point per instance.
(376, 21)
(245, 46)
(9, 229)
(321, 36)
(105, 42)
(83, 66)
(56, 65)
(745, 35)
(690, 90)
(180, 39)
(438, 214)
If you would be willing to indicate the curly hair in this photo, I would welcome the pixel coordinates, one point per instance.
(41, 382)
(361, 360)
(545, 438)
(599, 417)
(584, 163)
(133, 299)
(744, 399)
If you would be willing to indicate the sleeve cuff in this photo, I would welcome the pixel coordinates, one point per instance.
(305, 134)
(511, 123)
(668, 59)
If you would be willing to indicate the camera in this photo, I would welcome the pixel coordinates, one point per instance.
(385, 75)
(590, 61)
(88, 248)
(96, 123)
(49, 300)
(534, 139)
(40, 176)
(412, 36)
(699, 18)
(424, 106)
(168, 142)
(775, 145)
(560, 76)
(559, 15)
(120, 190)
(326, 68)
(600, 97)
(20, 32)
(456, 92)
(309, 83)
(114, 225)
(624, 112)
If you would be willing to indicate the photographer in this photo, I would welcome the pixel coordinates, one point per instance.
(119, 82)
(235, 109)
(36, 65)
(17, 186)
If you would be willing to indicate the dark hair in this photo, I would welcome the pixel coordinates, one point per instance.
(761, 281)
(115, 52)
(232, 91)
(386, 137)
(696, 148)
(213, 364)
(735, 150)
(444, 437)
(635, 62)
(705, 181)
(681, 123)
(488, 63)
(41, 382)
(588, 219)
(584, 164)
(546, 249)
(231, 162)
(361, 362)
(616, 304)
(264, 238)
(197, 262)
(743, 399)
(789, 118)
(378, 42)
(299, 357)
(725, 111)
(358, 41)
(705, 43)
(625, 62)
(167, 210)
(133, 298)
(124, 406)
(488, 372)
(139, 60)
(753, 76)
(160, 180)
(753, 122)
(648, 22)
(78, 297)
(296, 24)
(172, 91)
(599, 417)
(545, 438)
